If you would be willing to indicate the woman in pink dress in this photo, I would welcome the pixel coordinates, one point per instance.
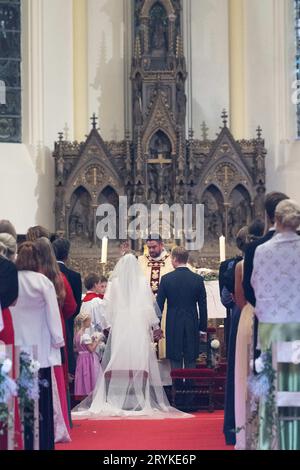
(87, 365)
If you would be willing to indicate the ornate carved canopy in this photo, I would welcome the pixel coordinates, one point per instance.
(156, 162)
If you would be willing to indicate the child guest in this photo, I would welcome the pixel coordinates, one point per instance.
(87, 366)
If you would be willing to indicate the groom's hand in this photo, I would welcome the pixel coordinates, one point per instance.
(203, 337)
(158, 334)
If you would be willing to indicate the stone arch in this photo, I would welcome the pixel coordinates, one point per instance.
(240, 210)
(80, 215)
(214, 220)
(160, 131)
(160, 139)
(149, 4)
(109, 195)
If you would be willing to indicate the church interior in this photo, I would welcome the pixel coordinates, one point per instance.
(161, 102)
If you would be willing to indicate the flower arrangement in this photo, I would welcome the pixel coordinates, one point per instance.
(215, 344)
(262, 384)
(208, 274)
(262, 390)
(28, 381)
(213, 355)
(8, 390)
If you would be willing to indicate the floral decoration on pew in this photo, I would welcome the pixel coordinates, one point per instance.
(262, 392)
(208, 274)
(28, 381)
(8, 390)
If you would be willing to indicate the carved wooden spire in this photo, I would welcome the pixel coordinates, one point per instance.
(137, 48)
(179, 47)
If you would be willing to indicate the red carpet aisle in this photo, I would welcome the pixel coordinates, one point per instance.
(204, 432)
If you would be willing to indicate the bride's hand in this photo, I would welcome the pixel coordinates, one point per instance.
(158, 334)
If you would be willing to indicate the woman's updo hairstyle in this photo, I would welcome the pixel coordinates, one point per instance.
(287, 213)
(8, 246)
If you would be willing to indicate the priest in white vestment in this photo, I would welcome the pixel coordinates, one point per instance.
(156, 264)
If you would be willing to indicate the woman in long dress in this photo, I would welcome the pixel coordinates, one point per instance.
(130, 385)
(67, 307)
(244, 339)
(37, 322)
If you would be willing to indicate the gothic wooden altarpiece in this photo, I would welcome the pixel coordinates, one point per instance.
(157, 162)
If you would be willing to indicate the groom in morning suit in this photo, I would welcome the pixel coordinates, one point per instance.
(185, 294)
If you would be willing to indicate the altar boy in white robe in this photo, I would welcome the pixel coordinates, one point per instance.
(92, 304)
(92, 301)
(156, 264)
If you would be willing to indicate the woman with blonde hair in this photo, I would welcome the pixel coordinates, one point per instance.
(9, 289)
(7, 227)
(276, 283)
(87, 364)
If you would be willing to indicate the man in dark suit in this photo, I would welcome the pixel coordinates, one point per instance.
(271, 201)
(185, 294)
(61, 248)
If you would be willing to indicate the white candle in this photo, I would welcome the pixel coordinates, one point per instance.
(222, 249)
(104, 250)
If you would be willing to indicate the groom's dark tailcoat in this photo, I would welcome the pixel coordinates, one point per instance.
(184, 291)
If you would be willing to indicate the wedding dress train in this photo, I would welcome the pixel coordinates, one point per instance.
(131, 385)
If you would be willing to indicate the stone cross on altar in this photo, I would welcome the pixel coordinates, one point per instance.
(160, 160)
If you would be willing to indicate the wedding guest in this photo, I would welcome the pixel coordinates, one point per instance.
(67, 306)
(228, 301)
(7, 227)
(34, 233)
(8, 296)
(275, 281)
(243, 344)
(271, 201)
(185, 293)
(61, 249)
(37, 322)
(87, 366)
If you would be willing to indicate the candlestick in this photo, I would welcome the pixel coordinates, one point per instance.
(222, 242)
(104, 250)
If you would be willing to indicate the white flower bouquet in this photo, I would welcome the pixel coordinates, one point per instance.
(8, 390)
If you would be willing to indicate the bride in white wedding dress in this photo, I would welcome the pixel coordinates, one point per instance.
(130, 385)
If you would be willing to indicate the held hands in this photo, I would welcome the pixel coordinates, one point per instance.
(203, 337)
(157, 334)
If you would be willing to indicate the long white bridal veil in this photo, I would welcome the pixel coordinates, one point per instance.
(130, 384)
